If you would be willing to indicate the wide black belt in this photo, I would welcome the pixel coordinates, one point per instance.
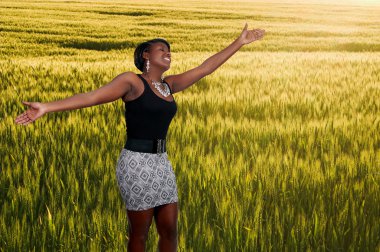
(144, 145)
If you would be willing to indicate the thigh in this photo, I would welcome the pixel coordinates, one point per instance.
(140, 221)
(166, 217)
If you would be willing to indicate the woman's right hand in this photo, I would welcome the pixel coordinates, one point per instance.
(35, 111)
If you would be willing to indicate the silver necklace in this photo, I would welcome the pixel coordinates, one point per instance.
(165, 92)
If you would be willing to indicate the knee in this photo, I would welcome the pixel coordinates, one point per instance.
(138, 235)
(168, 231)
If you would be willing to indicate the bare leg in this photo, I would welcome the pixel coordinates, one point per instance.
(166, 217)
(139, 224)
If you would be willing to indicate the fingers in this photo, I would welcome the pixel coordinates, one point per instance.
(245, 27)
(258, 33)
(18, 118)
(23, 119)
(29, 115)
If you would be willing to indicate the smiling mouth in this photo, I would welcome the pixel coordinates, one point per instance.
(167, 59)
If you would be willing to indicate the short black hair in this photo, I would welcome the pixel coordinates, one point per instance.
(143, 47)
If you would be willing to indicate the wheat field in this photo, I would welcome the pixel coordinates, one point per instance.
(278, 150)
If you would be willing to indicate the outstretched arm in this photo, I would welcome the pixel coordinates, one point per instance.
(117, 88)
(182, 81)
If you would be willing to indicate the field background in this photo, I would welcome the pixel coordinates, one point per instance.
(278, 150)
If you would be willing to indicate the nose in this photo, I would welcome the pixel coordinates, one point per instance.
(169, 54)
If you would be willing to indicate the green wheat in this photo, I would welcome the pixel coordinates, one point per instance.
(278, 150)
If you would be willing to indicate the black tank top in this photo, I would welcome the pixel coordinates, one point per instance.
(148, 116)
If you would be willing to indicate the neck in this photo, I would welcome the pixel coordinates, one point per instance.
(154, 75)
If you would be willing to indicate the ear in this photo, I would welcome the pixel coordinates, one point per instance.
(145, 55)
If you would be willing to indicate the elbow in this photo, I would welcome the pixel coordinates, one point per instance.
(97, 98)
(206, 70)
(91, 99)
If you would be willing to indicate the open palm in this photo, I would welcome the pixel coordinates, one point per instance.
(248, 36)
(35, 111)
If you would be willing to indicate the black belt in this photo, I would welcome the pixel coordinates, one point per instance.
(144, 145)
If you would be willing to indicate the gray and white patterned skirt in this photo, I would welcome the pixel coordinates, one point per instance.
(145, 180)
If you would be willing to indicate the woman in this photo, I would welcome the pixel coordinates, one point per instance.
(145, 176)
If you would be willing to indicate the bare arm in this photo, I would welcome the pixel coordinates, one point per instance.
(182, 81)
(117, 88)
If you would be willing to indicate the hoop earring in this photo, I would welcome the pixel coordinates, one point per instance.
(147, 66)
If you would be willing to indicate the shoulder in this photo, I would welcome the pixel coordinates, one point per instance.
(130, 78)
(134, 82)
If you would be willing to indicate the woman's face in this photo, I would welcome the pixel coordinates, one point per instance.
(159, 56)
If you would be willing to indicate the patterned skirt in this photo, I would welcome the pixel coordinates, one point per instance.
(145, 180)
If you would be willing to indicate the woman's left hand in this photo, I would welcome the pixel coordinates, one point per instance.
(248, 36)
